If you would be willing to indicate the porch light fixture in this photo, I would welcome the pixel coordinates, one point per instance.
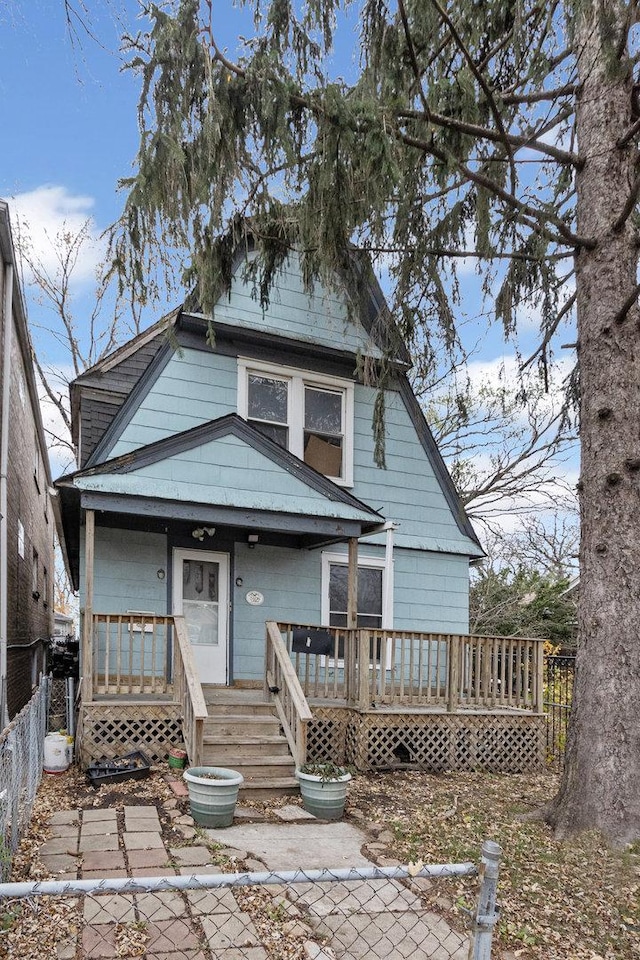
(252, 539)
(199, 532)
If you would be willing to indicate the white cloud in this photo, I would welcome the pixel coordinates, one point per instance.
(46, 214)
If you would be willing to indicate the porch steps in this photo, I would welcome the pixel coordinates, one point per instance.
(243, 732)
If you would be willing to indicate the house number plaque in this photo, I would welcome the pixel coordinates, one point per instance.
(255, 598)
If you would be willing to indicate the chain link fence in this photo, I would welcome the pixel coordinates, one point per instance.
(348, 914)
(21, 757)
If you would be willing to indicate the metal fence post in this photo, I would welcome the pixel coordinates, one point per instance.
(487, 911)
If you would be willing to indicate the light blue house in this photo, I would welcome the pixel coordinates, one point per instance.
(227, 496)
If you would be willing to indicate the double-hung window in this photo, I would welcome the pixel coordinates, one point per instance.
(375, 595)
(373, 598)
(309, 414)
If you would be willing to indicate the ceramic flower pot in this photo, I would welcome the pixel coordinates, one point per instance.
(213, 793)
(324, 798)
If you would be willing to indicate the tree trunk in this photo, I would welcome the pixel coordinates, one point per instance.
(601, 783)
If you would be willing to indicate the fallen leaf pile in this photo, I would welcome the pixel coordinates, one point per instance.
(571, 900)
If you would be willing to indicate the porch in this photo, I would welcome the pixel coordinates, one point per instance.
(371, 698)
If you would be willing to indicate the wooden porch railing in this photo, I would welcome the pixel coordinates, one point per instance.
(447, 671)
(188, 691)
(130, 654)
(133, 654)
(282, 682)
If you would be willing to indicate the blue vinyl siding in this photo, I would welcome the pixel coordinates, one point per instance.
(126, 571)
(223, 472)
(317, 318)
(194, 387)
(428, 595)
(126, 579)
(290, 583)
(430, 589)
(407, 491)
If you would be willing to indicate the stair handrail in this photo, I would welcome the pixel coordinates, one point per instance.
(290, 702)
(188, 691)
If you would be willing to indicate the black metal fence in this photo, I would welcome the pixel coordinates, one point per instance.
(559, 676)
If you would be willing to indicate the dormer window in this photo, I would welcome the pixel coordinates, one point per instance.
(309, 414)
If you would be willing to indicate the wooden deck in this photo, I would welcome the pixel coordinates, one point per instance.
(375, 699)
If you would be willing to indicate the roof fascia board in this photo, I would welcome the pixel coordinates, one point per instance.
(193, 325)
(117, 426)
(130, 347)
(229, 516)
(443, 476)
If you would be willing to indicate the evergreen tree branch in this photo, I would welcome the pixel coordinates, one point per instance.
(483, 84)
(485, 133)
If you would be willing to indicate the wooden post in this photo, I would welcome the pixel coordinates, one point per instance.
(352, 585)
(364, 645)
(538, 669)
(87, 631)
(453, 670)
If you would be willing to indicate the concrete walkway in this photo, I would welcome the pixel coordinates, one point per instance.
(360, 919)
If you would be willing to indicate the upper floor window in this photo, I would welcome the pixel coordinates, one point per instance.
(309, 414)
(21, 539)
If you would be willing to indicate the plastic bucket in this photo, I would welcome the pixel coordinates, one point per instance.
(56, 755)
(213, 793)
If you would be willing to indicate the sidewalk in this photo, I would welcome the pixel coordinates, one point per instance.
(320, 921)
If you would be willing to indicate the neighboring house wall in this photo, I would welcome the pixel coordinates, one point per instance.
(30, 521)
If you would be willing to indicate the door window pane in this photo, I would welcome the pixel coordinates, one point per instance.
(199, 580)
(202, 622)
(200, 592)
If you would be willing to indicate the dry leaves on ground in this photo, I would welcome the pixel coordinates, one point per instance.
(571, 900)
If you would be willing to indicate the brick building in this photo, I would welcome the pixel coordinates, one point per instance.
(26, 516)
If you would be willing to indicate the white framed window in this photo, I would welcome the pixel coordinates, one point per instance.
(309, 414)
(375, 604)
(21, 539)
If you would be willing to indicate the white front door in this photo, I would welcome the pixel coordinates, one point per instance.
(201, 595)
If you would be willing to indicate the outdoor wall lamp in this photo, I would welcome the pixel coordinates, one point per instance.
(199, 532)
(252, 539)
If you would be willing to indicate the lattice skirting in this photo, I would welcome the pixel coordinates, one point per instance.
(436, 742)
(111, 729)
(327, 735)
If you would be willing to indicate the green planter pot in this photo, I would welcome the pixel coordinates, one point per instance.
(213, 792)
(325, 799)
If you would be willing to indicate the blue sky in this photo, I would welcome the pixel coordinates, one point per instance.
(68, 116)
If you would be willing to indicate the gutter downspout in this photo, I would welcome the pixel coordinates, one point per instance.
(4, 464)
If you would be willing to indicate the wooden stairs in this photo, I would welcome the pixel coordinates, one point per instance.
(243, 732)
